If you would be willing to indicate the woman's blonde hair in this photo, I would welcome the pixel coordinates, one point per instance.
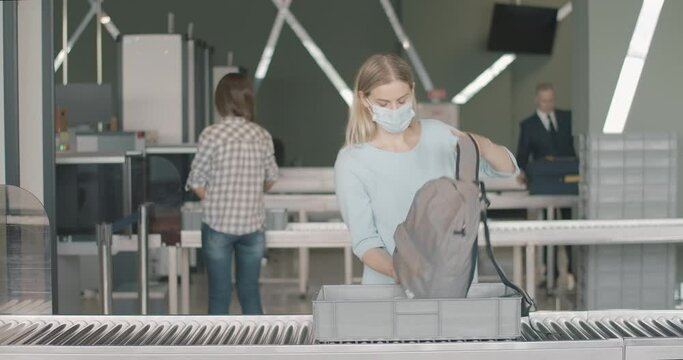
(377, 70)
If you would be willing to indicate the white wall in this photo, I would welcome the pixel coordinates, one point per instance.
(3, 161)
(601, 49)
(451, 36)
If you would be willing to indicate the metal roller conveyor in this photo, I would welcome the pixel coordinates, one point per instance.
(154, 330)
(557, 335)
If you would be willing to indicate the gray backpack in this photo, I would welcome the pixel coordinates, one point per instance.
(436, 246)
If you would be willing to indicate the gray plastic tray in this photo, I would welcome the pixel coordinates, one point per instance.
(382, 312)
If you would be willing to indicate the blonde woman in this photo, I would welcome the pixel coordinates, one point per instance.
(389, 154)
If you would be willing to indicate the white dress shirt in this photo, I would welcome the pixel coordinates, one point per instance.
(544, 119)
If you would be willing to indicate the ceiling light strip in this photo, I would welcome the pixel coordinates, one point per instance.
(498, 66)
(317, 55)
(484, 79)
(76, 35)
(269, 50)
(408, 46)
(632, 68)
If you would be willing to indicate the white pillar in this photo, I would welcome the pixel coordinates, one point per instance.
(30, 41)
(3, 161)
(35, 108)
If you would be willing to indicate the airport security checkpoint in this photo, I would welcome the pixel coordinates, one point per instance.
(261, 179)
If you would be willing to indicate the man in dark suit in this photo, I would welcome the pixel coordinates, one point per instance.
(547, 133)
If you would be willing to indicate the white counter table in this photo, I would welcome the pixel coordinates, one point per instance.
(517, 234)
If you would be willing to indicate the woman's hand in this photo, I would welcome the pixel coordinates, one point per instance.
(495, 154)
(200, 192)
(484, 144)
(394, 275)
(380, 260)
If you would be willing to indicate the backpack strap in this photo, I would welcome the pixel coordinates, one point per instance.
(467, 158)
(528, 304)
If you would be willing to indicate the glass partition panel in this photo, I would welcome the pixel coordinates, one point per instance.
(25, 256)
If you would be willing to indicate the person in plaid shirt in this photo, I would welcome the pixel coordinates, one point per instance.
(233, 167)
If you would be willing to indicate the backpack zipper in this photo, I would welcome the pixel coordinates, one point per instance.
(459, 232)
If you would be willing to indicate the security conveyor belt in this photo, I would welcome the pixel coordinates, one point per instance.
(557, 335)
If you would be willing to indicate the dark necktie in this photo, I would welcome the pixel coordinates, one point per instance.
(551, 126)
(553, 135)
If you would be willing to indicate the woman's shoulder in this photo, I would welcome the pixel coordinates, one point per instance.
(210, 131)
(349, 152)
(354, 164)
(259, 129)
(435, 130)
(435, 125)
(350, 156)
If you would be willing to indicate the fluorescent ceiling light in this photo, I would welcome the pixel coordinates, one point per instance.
(105, 19)
(564, 11)
(264, 63)
(111, 28)
(407, 46)
(501, 64)
(59, 59)
(623, 95)
(109, 25)
(484, 79)
(269, 50)
(631, 69)
(317, 55)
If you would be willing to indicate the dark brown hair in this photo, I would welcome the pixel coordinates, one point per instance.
(235, 97)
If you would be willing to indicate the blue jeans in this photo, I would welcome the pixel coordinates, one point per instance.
(218, 249)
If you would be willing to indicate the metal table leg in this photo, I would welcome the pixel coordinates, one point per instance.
(127, 191)
(538, 253)
(184, 280)
(550, 256)
(172, 280)
(517, 262)
(531, 270)
(348, 266)
(562, 264)
(304, 258)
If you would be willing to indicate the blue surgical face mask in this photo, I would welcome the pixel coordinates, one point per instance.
(393, 120)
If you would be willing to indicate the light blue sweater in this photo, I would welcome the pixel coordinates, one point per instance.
(375, 188)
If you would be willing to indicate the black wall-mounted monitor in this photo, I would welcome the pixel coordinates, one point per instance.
(522, 29)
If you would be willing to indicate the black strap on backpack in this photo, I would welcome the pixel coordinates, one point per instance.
(468, 149)
(528, 304)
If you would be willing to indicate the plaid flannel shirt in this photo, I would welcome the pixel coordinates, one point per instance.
(234, 159)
